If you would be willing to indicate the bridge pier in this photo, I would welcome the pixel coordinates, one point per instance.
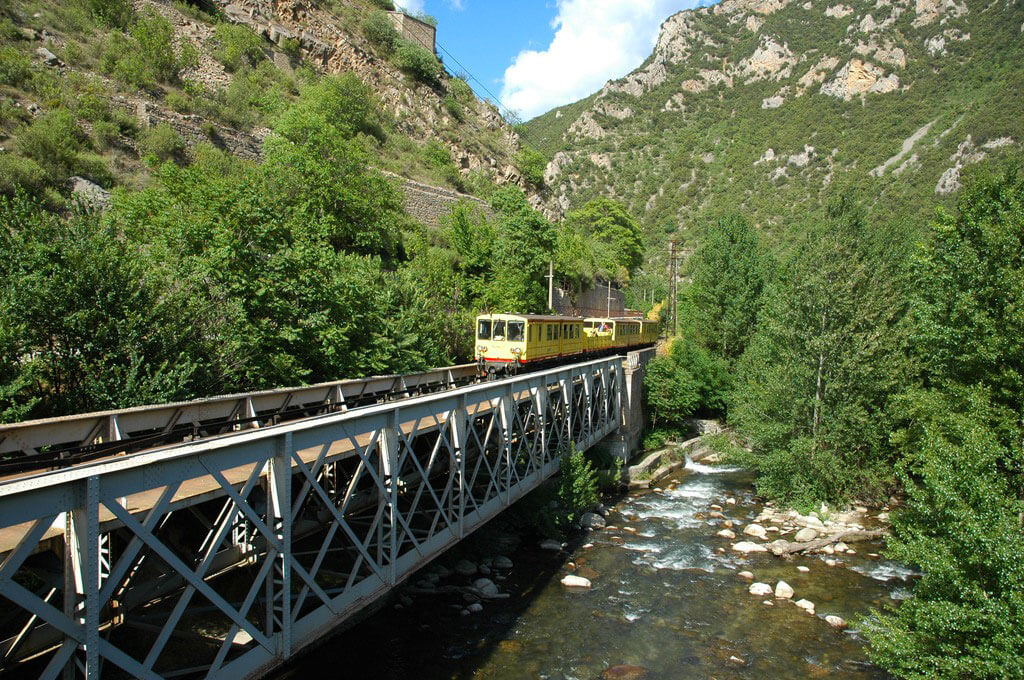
(625, 441)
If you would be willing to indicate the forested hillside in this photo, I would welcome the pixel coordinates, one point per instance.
(774, 108)
(190, 208)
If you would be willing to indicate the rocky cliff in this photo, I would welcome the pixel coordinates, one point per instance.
(771, 107)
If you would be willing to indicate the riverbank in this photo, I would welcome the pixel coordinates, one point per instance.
(666, 600)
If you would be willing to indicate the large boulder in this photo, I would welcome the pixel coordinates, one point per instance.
(783, 590)
(755, 530)
(748, 547)
(592, 520)
(805, 534)
(571, 581)
(486, 586)
(835, 621)
(759, 589)
(465, 568)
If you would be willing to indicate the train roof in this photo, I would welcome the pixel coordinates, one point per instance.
(533, 317)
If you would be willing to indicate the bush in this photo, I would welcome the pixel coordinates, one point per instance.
(418, 62)
(385, 5)
(146, 55)
(180, 102)
(53, 141)
(437, 155)
(16, 171)
(454, 107)
(15, 67)
(379, 30)
(161, 141)
(532, 164)
(112, 13)
(105, 133)
(577, 484)
(236, 46)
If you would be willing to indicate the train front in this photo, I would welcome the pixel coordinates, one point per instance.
(500, 343)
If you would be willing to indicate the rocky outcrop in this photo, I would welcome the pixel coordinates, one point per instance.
(858, 78)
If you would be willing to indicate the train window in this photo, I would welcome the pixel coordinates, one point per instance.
(499, 330)
(484, 330)
(515, 331)
(549, 330)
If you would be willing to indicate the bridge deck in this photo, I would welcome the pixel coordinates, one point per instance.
(325, 514)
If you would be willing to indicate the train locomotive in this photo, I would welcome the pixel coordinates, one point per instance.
(507, 344)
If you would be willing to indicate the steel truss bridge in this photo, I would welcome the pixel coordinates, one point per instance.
(224, 557)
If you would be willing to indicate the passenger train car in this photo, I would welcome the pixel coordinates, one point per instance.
(508, 343)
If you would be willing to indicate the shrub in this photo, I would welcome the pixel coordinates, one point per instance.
(577, 484)
(53, 141)
(236, 46)
(454, 107)
(178, 101)
(418, 62)
(437, 155)
(532, 164)
(15, 67)
(105, 133)
(161, 141)
(146, 55)
(94, 167)
(379, 30)
(112, 13)
(385, 5)
(17, 171)
(291, 46)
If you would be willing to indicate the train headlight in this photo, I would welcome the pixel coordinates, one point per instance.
(517, 351)
(482, 349)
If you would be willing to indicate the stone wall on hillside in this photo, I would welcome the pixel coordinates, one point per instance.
(429, 204)
(415, 30)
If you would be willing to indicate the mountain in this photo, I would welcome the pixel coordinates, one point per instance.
(773, 107)
(88, 81)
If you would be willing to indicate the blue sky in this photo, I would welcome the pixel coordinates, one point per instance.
(535, 55)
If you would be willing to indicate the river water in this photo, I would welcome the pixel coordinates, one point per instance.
(665, 603)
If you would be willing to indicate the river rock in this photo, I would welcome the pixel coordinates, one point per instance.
(601, 509)
(715, 514)
(755, 530)
(811, 521)
(883, 517)
(550, 544)
(587, 546)
(592, 520)
(728, 524)
(851, 551)
(465, 568)
(748, 547)
(836, 621)
(725, 533)
(475, 608)
(802, 569)
(737, 660)
(806, 605)
(730, 501)
(759, 589)
(624, 672)
(840, 547)
(828, 550)
(485, 586)
(484, 570)
(805, 534)
(571, 581)
(831, 563)
(747, 575)
(783, 590)
(502, 562)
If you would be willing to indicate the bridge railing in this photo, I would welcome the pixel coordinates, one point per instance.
(140, 427)
(222, 558)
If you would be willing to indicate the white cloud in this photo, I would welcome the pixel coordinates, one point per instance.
(595, 41)
(410, 6)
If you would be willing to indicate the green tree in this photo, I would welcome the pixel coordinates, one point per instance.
(687, 382)
(962, 441)
(813, 385)
(532, 164)
(87, 325)
(236, 46)
(607, 221)
(729, 273)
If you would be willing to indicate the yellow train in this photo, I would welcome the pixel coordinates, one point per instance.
(507, 343)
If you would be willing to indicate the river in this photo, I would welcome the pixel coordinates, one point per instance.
(665, 603)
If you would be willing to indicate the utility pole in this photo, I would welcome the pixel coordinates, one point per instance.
(551, 285)
(608, 312)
